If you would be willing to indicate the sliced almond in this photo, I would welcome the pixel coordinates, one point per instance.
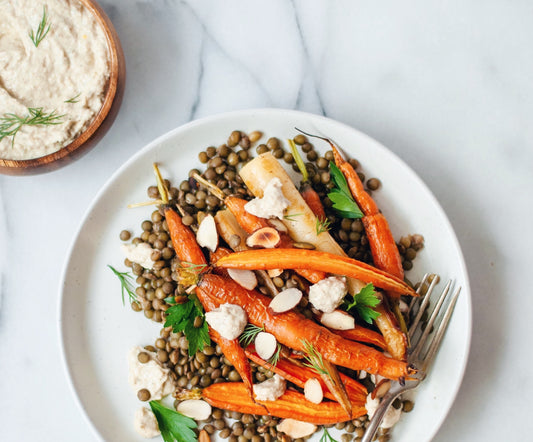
(245, 278)
(196, 409)
(207, 235)
(338, 320)
(266, 238)
(278, 225)
(274, 272)
(265, 345)
(296, 429)
(286, 300)
(381, 389)
(313, 391)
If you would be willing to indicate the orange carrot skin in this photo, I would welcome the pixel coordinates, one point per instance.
(293, 329)
(235, 354)
(250, 223)
(265, 259)
(232, 396)
(363, 334)
(299, 374)
(231, 348)
(183, 239)
(313, 201)
(382, 246)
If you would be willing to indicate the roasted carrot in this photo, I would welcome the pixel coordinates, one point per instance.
(382, 246)
(385, 255)
(363, 334)
(188, 250)
(235, 354)
(265, 259)
(297, 373)
(183, 239)
(293, 329)
(232, 396)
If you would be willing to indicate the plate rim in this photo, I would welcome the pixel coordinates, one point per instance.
(267, 111)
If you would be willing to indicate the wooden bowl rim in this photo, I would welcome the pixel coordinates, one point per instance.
(115, 64)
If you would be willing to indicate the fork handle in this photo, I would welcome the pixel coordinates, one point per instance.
(376, 420)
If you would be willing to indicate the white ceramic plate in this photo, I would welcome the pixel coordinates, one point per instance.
(97, 331)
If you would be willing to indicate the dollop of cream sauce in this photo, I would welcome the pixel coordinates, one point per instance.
(151, 375)
(70, 63)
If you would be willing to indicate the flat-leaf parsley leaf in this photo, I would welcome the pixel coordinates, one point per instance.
(181, 318)
(364, 302)
(341, 197)
(174, 426)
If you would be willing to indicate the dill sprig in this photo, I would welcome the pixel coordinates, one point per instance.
(42, 29)
(292, 216)
(11, 123)
(326, 437)
(275, 357)
(314, 359)
(249, 334)
(126, 284)
(74, 99)
(322, 226)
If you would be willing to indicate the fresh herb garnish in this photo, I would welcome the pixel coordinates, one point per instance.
(364, 302)
(74, 99)
(292, 216)
(126, 283)
(314, 359)
(11, 123)
(249, 334)
(340, 195)
(42, 29)
(174, 426)
(326, 437)
(322, 226)
(181, 318)
(170, 300)
(275, 357)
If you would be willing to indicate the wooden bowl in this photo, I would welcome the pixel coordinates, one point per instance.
(101, 122)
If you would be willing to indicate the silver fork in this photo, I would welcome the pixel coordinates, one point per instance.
(422, 350)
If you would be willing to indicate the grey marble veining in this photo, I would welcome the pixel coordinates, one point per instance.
(445, 85)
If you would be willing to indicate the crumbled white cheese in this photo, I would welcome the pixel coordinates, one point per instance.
(140, 254)
(228, 320)
(392, 416)
(327, 295)
(271, 389)
(145, 423)
(273, 203)
(151, 375)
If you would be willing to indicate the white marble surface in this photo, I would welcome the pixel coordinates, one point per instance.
(445, 85)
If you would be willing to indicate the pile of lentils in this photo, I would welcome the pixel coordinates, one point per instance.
(161, 282)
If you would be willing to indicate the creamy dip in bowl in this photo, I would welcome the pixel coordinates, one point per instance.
(61, 72)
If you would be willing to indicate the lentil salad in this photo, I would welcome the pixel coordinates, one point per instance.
(155, 286)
